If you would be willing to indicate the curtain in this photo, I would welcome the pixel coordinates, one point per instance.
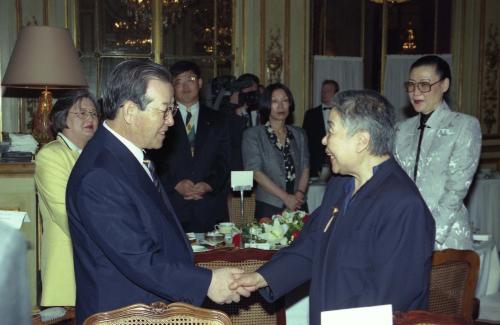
(397, 69)
(347, 71)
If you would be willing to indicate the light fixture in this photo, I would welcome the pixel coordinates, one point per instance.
(409, 44)
(133, 26)
(389, 1)
(44, 58)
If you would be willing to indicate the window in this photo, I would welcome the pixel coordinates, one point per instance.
(110, 31)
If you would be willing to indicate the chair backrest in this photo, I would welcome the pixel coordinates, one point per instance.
(248, 210)
(453, 282)
(420, 317)
(252, 310)
(159, 313)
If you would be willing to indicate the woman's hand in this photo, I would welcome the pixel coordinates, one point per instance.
(299, 197)
(290, 202)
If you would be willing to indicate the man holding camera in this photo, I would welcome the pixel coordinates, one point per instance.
(242, 111)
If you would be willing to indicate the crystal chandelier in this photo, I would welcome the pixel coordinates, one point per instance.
(140, 10)
(389, 1)
(135, 24)
(409, 43)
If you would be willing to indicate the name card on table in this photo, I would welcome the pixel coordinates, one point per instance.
(375, 315)
(242, 180)
(14, 219)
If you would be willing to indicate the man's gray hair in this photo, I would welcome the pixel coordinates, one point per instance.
(369, 111)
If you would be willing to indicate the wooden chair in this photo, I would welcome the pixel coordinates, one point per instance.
(421, 317)
(453, 282)
(159, 313)
(68, 318)
(248, 209)
(252, 310)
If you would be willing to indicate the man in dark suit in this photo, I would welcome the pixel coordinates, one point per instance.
(315, 126)
(193, 162)
(128, 244)
(371, 240)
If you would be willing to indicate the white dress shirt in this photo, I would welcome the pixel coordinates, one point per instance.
(136, 151)
(195, 110)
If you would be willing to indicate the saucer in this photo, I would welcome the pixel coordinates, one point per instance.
(199, 248)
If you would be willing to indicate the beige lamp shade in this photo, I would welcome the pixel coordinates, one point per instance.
(44, 57)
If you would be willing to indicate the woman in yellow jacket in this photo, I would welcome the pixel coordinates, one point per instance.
(74, 119)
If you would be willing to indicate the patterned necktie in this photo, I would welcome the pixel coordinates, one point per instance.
(152, 170)
(190, 129)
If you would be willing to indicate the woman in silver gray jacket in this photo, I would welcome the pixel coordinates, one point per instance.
(439, 149)
(277, 153)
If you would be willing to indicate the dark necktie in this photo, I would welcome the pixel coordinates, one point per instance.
(152, 170)
(423, 120)
(327, 108)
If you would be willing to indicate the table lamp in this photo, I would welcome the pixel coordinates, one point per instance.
(44, 58)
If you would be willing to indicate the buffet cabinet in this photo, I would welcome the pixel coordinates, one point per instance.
(17, 192)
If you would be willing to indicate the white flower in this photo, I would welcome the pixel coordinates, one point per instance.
(255, 229)
(275, 233)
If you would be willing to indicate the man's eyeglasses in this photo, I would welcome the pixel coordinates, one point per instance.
(172, 109)
(423, 86)
(83, 115)
(180, 81)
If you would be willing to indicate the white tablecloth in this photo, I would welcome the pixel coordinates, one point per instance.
(484, 206)
(315, 195)
(15, 306)
(488, 281)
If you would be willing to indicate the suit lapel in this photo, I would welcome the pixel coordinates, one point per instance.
(180, 135)
(430, 134)
(202, 130)
(321, 119)
(140, 180)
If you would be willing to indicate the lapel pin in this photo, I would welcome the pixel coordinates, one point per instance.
(335, 210)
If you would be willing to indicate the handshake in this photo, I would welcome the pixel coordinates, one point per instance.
(229, 284)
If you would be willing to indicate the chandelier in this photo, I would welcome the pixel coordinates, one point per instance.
(389, 1)
(409, 44)
(140, 10)
(133, 27)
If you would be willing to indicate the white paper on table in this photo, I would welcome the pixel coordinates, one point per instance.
(14, 219)
(374, 315)
(242, 180)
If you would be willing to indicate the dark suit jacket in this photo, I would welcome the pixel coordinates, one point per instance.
(315, 130)
(378, 251)
(209, 164)
(128, 244)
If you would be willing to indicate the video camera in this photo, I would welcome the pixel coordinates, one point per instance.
(224, 86)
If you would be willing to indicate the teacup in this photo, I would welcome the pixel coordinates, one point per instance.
(225, 227)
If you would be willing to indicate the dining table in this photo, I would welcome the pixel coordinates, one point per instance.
(483, 203)
(315, 193)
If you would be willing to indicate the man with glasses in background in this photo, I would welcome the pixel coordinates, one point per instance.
(193, 162)
(128, 244)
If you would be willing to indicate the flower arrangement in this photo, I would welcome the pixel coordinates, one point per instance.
(280, 229)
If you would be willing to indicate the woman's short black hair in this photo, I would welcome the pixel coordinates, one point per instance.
(442, 70)
(59, 113)
(265, 102)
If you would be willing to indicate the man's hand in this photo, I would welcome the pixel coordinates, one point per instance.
(185, 187)
(248, 281)
(202, 188)
(219, 291)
